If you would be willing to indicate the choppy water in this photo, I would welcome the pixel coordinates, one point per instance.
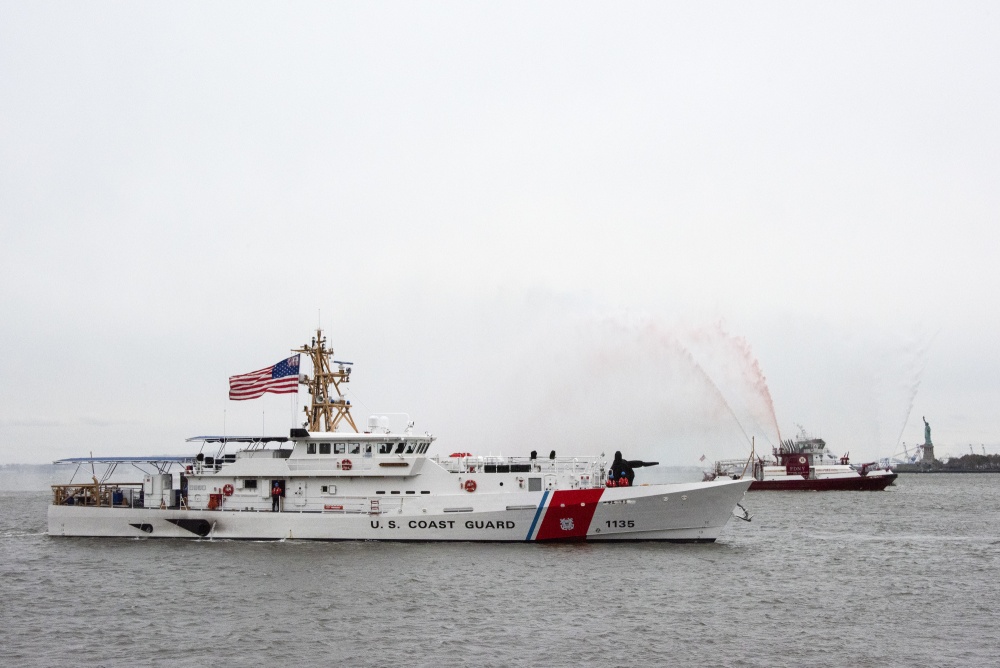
(908, 577)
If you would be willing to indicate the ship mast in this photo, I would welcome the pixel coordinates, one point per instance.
(329, 406)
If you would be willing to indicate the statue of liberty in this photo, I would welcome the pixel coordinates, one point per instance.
(927, 432)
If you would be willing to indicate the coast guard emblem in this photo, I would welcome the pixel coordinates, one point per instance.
(566, 524)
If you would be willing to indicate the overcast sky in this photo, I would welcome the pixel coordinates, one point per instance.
(664, 228)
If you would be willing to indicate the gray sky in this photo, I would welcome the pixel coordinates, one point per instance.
(663, 228)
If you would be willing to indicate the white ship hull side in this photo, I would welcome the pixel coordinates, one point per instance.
(692, 512)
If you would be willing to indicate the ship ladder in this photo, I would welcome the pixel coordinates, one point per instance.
(375, 509)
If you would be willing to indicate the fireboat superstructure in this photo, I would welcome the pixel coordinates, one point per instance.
(329, 481)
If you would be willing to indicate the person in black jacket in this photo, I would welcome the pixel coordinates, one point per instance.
(621, 468)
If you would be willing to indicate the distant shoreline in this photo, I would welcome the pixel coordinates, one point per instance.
(970, 463)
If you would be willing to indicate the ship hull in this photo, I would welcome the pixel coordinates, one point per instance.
(694, 512)
(869, 483)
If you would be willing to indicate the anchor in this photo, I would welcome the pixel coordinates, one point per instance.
(746, 515)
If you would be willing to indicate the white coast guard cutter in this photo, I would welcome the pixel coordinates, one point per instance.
(380, 485)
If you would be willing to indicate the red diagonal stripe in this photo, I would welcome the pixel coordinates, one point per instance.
(575, 505)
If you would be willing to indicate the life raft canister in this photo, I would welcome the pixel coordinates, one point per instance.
(227, 489)
(470, 485)
(346, 465)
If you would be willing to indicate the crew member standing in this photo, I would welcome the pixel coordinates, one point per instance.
(275, 496)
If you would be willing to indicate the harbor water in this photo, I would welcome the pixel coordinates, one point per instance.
(905, 577)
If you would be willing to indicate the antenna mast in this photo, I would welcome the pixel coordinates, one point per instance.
(329, 406)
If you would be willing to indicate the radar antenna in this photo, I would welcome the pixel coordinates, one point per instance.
(329, 406)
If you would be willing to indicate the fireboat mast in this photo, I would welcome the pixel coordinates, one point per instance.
(329, 406)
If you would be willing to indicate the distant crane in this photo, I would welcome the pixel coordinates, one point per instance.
(984, 449)
(971, 451)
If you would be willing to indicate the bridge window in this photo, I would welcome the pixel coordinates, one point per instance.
(310, 448)
(250, 484)
(339, 448)
(399, 448)
(354, 448)
(410, 447)
(384, 448)
(324, 448)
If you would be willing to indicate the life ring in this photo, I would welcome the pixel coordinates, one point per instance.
(470, 485)
(227, 489)
(346, 465)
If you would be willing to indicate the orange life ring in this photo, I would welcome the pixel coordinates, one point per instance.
(227, 489)
(470, 485)
(346, 465)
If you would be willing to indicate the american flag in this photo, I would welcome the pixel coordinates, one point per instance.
(281, 378)
(702, 458)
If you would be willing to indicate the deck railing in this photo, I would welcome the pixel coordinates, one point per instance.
(494, 464)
